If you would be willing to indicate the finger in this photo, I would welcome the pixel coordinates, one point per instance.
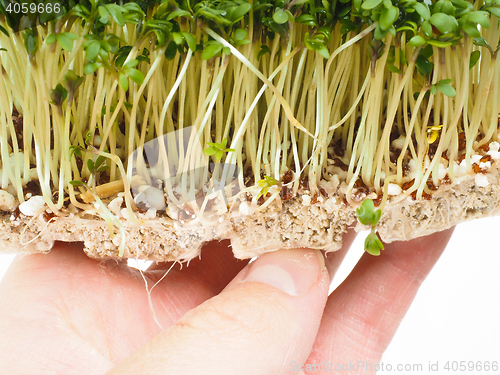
(174, 289)
(334, 260)
(212, 271)
(364, 312)
(266, 317)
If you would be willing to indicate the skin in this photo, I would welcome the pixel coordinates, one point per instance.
(63, 313)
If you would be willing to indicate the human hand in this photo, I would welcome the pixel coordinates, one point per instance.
(63, 313)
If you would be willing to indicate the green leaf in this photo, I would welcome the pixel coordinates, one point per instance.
(116, 12)
(3, 30)
(365, 213)
(75, 150)
(103, 12)
(417, 41)
(439, 43)
(427, 29)
(210, 151)
(235, 14)
(92, 50)
(481, 42)
(373, 245)
(72, 81)
(444, 23)
(280, 16)
(51, 38)
(77, 183)
(100, 159)
(474, 58)
(393, 69)
(91, 67)
(479, 17)
(388, 17)
(211, 50)
(323, 51)
(240, 34)
(446, 88)
(178, 13)
(123, 81)
(370, 4)
(494, 10)
(171, 50)
(424, 66)
(263, 50)
(191, 42)
(135, 75)
(422, 10)
(131, 64)
(380, 34)
(65, 41)
(30, 42)
(471, 29)
(433, 90)
(177, 38)
(103, 168)
(58, 95)
(90, 166)
(306, 19)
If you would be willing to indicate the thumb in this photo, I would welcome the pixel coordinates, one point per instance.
(264, 322)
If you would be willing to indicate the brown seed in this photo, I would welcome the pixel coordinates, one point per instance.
(16, 213)
(286, 193)
(408, 184)
(288, 177)
(360, 188)
(378, 200)
(485, 148)
(485, 158)
(188, 210)
(426, 196)
(48, 215)
(182, 217)
(339, 150)
(431, 185)
(200, 197)
(322, 192)
(476, 168)
(304, 182)
(406, 169)
(344, 201)
(461, 141)
(339, 163)
(141, 207)
(314, 199)
(446, 180)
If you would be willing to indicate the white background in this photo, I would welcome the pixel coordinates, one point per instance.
(456, 314)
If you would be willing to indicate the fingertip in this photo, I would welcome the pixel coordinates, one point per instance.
(265, 318)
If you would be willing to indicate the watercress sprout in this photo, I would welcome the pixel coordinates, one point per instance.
(367, 215)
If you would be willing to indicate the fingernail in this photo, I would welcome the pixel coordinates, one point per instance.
(292, 271)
